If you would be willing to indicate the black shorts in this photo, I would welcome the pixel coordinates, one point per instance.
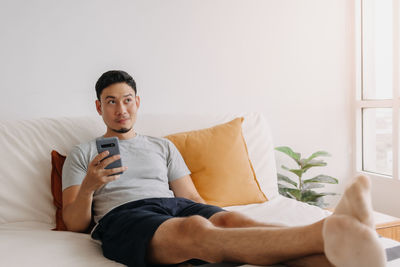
(125, 232)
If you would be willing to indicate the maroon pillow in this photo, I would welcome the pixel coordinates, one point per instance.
(57, 162)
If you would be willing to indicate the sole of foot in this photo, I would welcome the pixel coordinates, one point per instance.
(356, 201)
(349, 243)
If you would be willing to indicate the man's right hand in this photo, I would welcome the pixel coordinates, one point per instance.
(77, 199)
(97, 174)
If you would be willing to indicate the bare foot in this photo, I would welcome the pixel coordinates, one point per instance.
(349, 243)
(356, 201)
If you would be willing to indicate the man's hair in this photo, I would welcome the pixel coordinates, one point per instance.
(111, 77)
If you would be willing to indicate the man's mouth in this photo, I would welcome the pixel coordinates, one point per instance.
(122, 120)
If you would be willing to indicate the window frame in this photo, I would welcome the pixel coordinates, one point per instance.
(393, 103)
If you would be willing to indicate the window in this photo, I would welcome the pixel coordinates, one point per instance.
(378, 103)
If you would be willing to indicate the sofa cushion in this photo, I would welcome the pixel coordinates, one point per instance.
(34, 245)
(25, 192)
(57, 162)
(220, 165)
(256, 133)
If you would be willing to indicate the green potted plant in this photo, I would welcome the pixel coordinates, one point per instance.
(301, 190)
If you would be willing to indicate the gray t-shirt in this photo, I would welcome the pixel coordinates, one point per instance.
(152, 162)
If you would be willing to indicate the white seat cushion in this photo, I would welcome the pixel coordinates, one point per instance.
(31, 244)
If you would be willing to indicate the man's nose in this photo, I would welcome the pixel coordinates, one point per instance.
(121, 109)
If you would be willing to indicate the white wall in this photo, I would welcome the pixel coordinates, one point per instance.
(291, 60)
(385, 193)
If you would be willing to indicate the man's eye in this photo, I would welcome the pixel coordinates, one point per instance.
(111, 102)
(128, 100)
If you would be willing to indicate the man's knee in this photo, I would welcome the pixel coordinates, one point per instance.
(195, 225)
(198, 231)
(230, 219)
(195, 232)
(179, 239)
(185, 229)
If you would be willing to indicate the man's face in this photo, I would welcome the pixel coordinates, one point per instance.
(118, 106)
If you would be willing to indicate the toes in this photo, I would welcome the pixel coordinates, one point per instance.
(364, 181)
(359, 187)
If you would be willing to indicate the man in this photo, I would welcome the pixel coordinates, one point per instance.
(152, 214)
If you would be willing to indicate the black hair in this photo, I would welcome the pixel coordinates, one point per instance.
(111, 77)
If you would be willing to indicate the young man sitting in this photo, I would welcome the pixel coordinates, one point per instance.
(152, 214)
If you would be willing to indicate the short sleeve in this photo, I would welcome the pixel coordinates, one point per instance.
(74, 169)
(177, 167)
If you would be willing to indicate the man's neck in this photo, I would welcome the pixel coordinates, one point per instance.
(121, 136)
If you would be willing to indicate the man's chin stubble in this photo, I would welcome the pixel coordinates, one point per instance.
(122, 130)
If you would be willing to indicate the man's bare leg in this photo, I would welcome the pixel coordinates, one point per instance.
(180, 239)
(317, 260)
(236, 219)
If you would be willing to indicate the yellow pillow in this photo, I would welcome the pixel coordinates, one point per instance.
(220, 165)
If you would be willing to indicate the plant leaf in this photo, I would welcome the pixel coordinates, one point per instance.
(322, 179)
(283, 191)
(288, 151)
(319, 154)
(285, 168)
(298, 172)
(316, 199)
(314, 163)
(282, 186)
(309, 195)
(312, 186)
(303, 162)
(296, 193)
(319, 203)
(286, 179)
(328, 194)
(289, 192)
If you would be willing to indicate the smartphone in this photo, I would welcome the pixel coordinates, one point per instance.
(111, 144)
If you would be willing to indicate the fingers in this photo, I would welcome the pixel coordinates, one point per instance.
(111, 178)
(112, 172)
(108, 161)
(98, 175)
(96, 160)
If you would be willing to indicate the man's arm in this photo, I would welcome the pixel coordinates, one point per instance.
(77, 199)
(184, 187)
(77, 206)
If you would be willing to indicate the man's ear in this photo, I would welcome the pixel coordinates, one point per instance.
(98, 107)
(137, 99)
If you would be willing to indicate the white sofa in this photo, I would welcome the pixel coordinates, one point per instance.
(27, 213)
